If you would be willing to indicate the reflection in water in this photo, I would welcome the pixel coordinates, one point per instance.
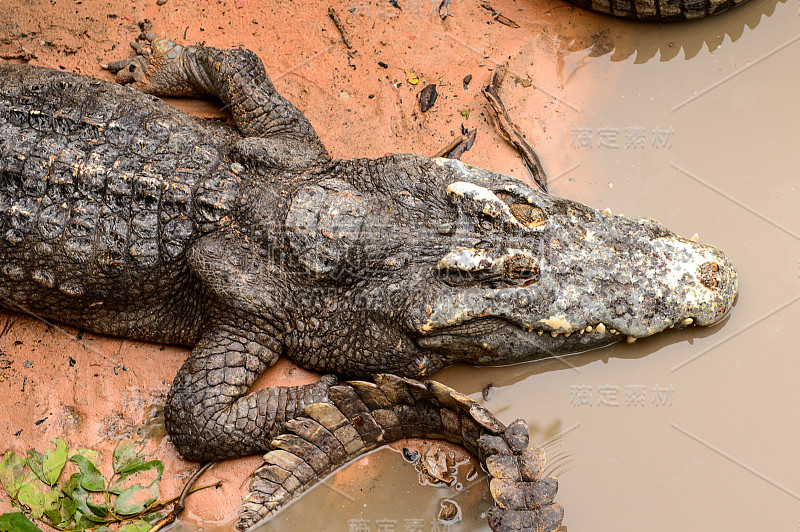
(623, 39)
(381, 491)
(559, 461)
(515, 373)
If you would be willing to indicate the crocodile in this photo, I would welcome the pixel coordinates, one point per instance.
(247, 241)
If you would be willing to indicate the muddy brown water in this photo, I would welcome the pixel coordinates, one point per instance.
(695, 125)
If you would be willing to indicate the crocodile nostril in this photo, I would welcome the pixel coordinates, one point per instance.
(709, 275)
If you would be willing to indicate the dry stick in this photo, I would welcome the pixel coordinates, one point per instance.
(456, 149)
(450, 147)
(510, 132)
(345, 37)
(180, 504)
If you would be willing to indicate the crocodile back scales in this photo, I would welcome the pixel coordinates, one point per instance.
(102, 190)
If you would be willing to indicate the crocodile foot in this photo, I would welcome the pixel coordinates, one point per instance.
(158, 68)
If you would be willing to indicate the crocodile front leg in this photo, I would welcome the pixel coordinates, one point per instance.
(209, 414)
(235, 76)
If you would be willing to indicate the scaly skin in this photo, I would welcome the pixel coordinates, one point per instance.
(659, 10)
(362, 416)
(123, 216)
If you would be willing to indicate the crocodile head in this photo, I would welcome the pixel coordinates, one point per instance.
(531, 275)
(451, 263)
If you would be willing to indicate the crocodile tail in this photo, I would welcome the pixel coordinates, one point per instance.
(659, 10)
(363, 416)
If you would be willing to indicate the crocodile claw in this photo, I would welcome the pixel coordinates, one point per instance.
(130, 70)
(156, 68)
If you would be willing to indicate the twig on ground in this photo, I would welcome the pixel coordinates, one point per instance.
(180, 504)
(510, 132)
(456, 149)
(345, 36)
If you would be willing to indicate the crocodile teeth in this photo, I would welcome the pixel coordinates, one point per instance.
(612, 331)
(553, 334)
(607, 211)
(695, 238)
(630, 339)
(589, 328)
(539, 333)
(687, 321)
(601, 328)
(566, 335)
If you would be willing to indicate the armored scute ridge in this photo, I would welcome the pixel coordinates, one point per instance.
(123, 216)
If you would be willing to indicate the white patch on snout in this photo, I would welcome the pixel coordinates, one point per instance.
(559, 324)
(476, 199)
(466, 259)
(473, 260)
(689, 259)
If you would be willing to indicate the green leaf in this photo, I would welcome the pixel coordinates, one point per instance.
(17, 522)
(137, 526)
(53, 505)
(51, 499)
(68, 508)
(153, 517)
(54, 461)
(98, 508)
(90, 454)
(63, 513)
(92, 479)
(85, 512)
(86, 521)
(54, 515)
(125, 456)
(35, 462)
(31, 496)
(72, 484)
(135, 499)
(135, 475)
(12, 473)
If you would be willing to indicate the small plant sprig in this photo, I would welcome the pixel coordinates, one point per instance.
(86, 500)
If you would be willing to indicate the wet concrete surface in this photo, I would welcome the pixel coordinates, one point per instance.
(693, 125)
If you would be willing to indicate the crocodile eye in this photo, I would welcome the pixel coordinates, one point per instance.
(525, 213)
